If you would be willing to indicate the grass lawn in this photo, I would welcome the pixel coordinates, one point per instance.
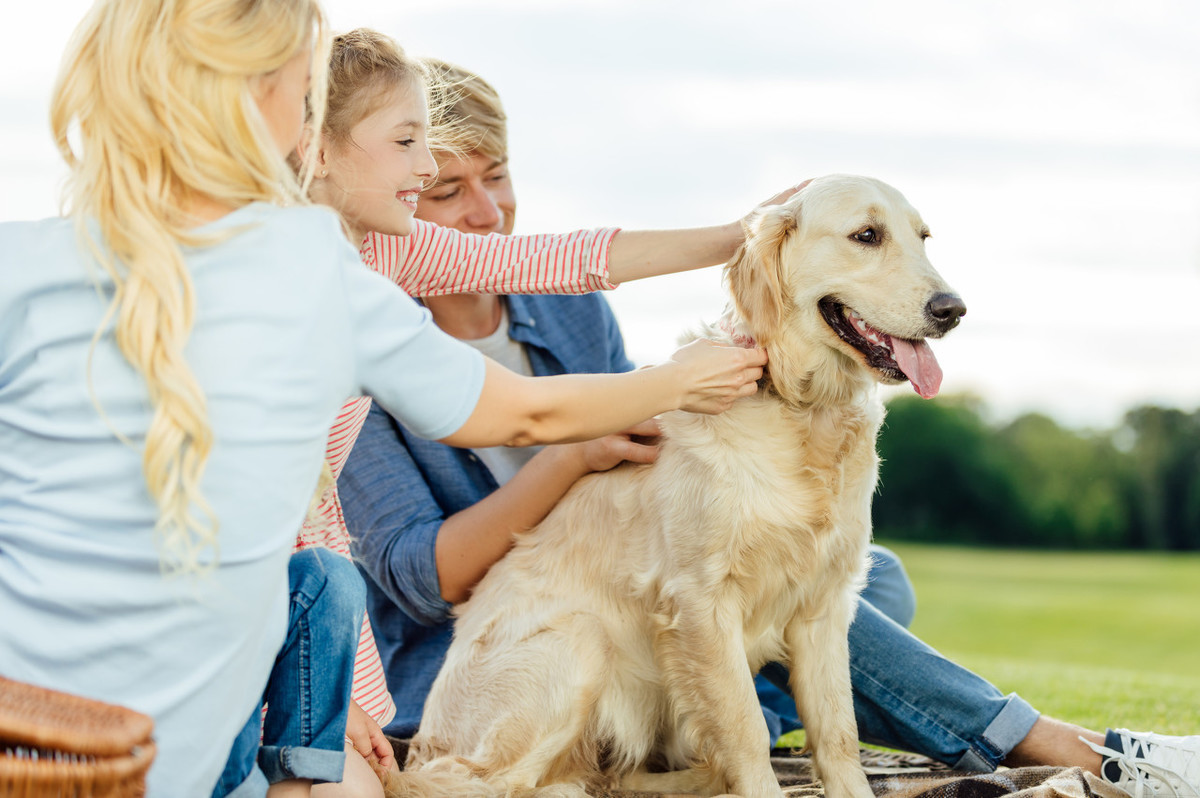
(1100, 639)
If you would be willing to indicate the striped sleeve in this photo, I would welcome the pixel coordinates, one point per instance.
(434, 260)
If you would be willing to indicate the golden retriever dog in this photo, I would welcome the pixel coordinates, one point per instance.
(615, 645)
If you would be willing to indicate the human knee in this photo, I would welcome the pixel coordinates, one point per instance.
(888, 588)
(359, 780)
(320, 578)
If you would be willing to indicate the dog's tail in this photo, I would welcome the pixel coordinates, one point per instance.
(447, 783)
(437, 785)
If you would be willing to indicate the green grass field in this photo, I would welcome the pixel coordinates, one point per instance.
(1099, 639)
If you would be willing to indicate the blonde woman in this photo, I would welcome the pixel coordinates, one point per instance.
(173, 352)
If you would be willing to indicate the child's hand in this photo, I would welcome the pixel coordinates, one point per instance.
(367, 738)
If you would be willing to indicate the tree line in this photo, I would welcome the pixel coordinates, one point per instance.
(950, 476)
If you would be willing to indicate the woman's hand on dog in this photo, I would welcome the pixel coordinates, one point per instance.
(718, 375)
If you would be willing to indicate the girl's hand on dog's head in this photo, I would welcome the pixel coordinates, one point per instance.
(784, 196)
(718, 375)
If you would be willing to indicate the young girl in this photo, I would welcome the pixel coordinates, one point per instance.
(173, 353)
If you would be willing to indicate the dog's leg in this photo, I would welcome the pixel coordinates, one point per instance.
(712, 692)
(517, 716)
(820, 671)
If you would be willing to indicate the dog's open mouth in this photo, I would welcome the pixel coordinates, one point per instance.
(898, 359)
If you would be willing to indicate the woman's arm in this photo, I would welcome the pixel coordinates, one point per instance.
(442, 389)
(702, 377)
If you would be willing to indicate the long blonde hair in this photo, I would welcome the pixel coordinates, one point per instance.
(153, 111)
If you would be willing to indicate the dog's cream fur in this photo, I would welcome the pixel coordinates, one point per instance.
(620, 636)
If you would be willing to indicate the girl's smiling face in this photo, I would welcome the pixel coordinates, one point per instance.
(374, 177)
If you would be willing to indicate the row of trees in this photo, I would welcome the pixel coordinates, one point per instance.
(950, 476)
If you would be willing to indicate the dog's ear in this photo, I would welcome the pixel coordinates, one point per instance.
(755, 273)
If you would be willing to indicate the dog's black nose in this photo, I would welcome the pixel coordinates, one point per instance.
(946, 309)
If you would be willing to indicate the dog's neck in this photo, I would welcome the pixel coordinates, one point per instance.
(853, 388)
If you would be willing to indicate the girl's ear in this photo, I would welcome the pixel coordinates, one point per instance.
(310, 140)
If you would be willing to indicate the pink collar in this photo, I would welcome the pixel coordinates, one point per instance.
(739, 338)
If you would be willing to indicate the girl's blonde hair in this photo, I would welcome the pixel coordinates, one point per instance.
(367, 67)
(153, 110)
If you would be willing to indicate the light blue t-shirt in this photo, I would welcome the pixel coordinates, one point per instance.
(288, 325)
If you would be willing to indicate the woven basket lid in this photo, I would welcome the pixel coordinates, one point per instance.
(47, 719)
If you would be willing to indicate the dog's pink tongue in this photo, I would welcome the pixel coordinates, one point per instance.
(918, 363)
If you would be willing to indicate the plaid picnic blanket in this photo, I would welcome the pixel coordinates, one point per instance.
(897, 775)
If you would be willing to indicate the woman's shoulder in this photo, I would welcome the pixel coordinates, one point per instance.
(37, 254)
(291, 237)
(23, 235)
(300, 224)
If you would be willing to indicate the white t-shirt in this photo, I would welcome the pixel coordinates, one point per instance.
(504, 461)
(288, 324)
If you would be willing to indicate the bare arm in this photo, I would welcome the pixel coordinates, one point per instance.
(513, 410)
(648, 253)
(435, 261)
(472, 540)
(636, 254)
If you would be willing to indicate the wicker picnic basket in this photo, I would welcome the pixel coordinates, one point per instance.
(66, 746)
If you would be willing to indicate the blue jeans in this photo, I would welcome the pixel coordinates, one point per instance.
(906, 695)
(308, 693)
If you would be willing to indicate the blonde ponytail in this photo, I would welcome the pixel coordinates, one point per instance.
(157, 98)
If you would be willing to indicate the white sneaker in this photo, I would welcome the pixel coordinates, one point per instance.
(1152, 765)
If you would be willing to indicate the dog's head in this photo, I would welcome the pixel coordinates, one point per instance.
(835, 284)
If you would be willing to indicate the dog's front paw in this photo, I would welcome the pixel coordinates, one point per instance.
(765, 786)
(848, 785)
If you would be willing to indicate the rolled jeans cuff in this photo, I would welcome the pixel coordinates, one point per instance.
(1001, 736)
(280, 763)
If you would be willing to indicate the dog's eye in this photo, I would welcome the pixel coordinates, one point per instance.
(868, 236)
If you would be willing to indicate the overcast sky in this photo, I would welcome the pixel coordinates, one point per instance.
(1053, 147)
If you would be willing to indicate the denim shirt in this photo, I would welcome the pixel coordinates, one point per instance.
(397, 489)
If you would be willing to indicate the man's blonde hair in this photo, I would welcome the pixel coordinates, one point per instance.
(153, 110)
(467, 112)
